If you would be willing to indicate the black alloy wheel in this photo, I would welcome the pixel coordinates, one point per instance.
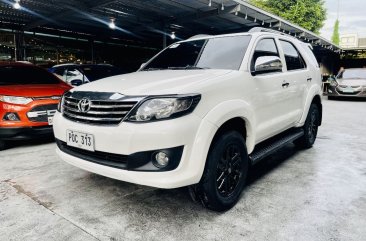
(225, 173)
(310, 128)
(229, 170)
(313, 125)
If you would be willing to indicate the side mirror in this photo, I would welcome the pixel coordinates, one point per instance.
(267, 64)
(76, 82)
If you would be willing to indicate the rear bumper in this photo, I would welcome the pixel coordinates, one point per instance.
(25, 133)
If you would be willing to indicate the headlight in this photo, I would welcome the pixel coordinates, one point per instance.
(333, 83)
(61, 104)
(15, 99)
(165, 107)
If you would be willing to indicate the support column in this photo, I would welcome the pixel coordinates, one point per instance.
(19, 49)
(164, 40)
(92, 50)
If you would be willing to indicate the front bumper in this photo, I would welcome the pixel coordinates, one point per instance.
(130, 138)
(336, 91)
(25, 133)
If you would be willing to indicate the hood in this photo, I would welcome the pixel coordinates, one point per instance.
(352, 82)
(34, 90)
(156, 82)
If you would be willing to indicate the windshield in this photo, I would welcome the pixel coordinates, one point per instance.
(352, 74)
(214, 53)
(22, 75)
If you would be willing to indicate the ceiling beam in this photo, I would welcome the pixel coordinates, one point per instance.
(70, 11)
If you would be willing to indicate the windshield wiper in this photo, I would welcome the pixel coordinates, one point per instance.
(152, 69)
(188, 67)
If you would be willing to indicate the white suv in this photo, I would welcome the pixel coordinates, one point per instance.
(198, 114)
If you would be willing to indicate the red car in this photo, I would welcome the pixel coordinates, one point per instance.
(28, 100)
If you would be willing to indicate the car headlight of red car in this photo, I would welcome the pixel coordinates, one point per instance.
(19, 100)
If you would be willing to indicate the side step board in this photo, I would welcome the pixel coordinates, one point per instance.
(270, 146)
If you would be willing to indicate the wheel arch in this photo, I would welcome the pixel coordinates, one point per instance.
(236, 114)
(314, 96)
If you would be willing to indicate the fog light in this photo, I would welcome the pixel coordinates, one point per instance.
(161, 159)
(11, 116)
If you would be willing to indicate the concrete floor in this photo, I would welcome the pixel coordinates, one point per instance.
(316, 194)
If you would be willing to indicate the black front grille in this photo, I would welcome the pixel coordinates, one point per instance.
(105, 112)
(42, 112)
(103, 158)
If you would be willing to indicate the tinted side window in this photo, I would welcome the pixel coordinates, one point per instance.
(293, 58)
(265, 47)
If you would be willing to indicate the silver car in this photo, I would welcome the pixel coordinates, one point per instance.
(348, 83)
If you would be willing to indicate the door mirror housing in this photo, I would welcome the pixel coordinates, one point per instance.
(267, 64)
(76, 82)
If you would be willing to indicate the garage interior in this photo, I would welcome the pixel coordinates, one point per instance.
(51, 32)
(318, 194)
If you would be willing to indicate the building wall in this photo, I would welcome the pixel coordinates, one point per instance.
(348, 41)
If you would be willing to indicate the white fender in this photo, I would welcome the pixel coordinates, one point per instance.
(313, 91)
(211, 123)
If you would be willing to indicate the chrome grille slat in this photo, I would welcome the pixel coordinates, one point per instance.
(93, 118)
(99, 112)
(104, 112)
(110, 106)
(71, 103)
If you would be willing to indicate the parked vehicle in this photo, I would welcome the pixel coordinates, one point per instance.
(348, 83)
(198, 114)
(76, 75)
(28, 100)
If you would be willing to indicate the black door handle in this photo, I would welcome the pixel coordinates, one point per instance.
(309, 79)
(285, 84)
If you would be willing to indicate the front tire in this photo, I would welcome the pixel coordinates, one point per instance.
(310, 128)
(225, 173)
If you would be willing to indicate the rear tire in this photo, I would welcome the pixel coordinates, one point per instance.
(225, 173)
(310, 128)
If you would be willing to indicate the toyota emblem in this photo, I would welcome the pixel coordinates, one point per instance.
(84, 105)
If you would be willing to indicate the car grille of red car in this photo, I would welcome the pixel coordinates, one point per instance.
(42, 112)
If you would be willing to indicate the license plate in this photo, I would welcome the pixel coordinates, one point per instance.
(80, 140)
(348, 90)
(50, 120)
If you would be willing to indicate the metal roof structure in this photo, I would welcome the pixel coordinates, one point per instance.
(144, 22)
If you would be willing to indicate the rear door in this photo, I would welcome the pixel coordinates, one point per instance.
(297, 76)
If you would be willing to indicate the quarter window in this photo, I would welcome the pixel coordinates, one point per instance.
(293, 58)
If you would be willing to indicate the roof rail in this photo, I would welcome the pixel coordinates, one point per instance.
(260, 29)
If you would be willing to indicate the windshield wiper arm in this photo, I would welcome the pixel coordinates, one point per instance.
(188, 67)
(152, 69)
